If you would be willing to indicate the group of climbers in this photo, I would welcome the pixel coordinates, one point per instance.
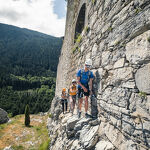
(71, 95)
(78, 89)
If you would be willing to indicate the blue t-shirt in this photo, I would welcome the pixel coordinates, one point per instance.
(85, 77)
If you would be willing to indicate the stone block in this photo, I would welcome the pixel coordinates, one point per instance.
(119, 63)
(128, 145)
(106, 55)
(94, 122)
(72, 122)
(89, 136)
(138, 50)
(94, 50)
(142, 78)
(129, 84)
(104, 145)
(70, 134)
(93, 19)
(124, 74)
(117, 96)
(81, 123)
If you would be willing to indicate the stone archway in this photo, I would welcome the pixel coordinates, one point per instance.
(80, 21)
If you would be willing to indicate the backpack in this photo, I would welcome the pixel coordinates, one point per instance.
(82, 70)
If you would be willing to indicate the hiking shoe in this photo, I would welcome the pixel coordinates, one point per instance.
(79, 114)
(72, 113)
(87, 115)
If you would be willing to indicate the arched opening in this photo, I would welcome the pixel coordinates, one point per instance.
(80, 21)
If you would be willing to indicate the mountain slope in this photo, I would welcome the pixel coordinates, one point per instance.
(28, 51)
(28, 65)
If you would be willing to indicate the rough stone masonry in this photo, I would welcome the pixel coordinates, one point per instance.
(115, 34)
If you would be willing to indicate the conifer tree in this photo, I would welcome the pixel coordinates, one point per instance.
(27, 116)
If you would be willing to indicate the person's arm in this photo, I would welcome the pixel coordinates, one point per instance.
(62, 96)
(78, 81)
(70, 89)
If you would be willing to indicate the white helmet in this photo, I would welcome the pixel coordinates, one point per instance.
(74, 80)
(88, 62)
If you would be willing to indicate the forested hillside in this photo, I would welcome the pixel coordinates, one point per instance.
(28, 65)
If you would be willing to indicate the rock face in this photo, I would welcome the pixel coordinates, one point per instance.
(73, 133)
(115, 34)
(3, 116)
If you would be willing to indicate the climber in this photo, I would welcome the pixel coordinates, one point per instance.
(84, 80)
(64, 101)
(73, 93)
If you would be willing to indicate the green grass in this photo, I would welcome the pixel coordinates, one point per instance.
(39, 131)
(117, 43)
(79, 38)
(110, 29)
(2, 126)
(50, 116)
(142, 94)
(10, 115)
(18, 116)
(74, 49)
(20, 147)
(27, 138)
(44, 145)
(137, 10)
(86, 29)
(93, 2)
(123, 44)
(79, 49)
(148, 39)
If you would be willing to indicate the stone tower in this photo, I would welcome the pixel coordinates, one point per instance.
(115, 34)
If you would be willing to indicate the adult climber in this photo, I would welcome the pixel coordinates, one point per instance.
(84, 80)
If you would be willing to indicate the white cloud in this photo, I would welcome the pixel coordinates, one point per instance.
(32, 14)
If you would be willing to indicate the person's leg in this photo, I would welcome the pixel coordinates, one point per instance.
(73, 102)
(62, 106)
(66, 104)
(80, 100)
(86, 104)
(80, 103)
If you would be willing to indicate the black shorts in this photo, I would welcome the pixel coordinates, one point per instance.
(81, 92)
(73, 97)
(64, 101)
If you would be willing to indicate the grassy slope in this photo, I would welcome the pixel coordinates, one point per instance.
(24, 138)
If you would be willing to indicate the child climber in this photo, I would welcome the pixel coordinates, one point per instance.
(64, 101)
(72, 93)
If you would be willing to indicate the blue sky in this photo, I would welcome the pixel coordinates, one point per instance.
(60, 8)
(46, 16)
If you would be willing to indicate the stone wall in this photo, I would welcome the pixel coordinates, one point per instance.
(116, 36)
